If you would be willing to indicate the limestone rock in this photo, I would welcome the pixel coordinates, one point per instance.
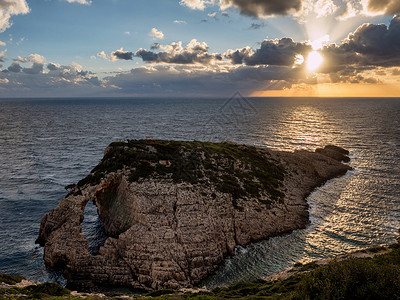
(171, 225)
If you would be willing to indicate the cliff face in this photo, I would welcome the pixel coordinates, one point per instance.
(173, 211)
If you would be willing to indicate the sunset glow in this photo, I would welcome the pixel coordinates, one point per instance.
(255, 47)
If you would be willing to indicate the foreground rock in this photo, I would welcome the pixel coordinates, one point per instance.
(174, 210)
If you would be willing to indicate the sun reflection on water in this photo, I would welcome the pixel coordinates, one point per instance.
(348, 213)
(305, 126)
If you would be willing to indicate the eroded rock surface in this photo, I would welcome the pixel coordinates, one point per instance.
(173, 211)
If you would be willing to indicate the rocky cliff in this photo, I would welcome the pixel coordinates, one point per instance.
(173, 211)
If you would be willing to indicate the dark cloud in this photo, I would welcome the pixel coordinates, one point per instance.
(52, 67)
(2, 55)
(82, 73)
(389, 7)
(264, 8)
(238, 56)
(192, 53)
(15, 67)
(396, 72)
(377, 44)
(121, 54)
(155, 46)
(185, 80)
(369, 45)
(380, 73)
(255, 26)
(351, 75)
(281, 52)
(65, 81)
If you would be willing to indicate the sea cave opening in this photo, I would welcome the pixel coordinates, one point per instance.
(92, 228)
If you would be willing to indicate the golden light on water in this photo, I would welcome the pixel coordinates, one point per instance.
(305, 126)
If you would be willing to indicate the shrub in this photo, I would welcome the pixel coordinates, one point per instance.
(11, 279)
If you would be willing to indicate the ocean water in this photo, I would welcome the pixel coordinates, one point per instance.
(46, 144)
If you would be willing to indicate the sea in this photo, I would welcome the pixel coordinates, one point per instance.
(46, 144)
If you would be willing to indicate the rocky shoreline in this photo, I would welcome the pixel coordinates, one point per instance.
(365, 274)
(173, 211)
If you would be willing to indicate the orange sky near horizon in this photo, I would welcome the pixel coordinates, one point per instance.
(334, 90)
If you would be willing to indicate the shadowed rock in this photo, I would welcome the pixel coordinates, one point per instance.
(173, 211)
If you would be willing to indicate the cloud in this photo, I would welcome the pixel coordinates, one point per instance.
(36, 68)
(194, 52)
(36, 58)
(369, 45)
(196, 4)
(155, 46)
(301, 9)
(282, 52)
(388, 7)
(121, 54)
(255, 26)
(60, 79)
(253, 8)
(180, 22)
(352, 9)
(324, 8)
(102, 54)
(396, 72)
(262, 8)
(85, 2)
(157, 34)
(53, 66)
(15, 67)
(186, 80)
(9, 8)
(2, 44)
(37, 61)
(212, 15)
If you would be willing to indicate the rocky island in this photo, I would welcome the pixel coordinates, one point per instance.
(173, 211)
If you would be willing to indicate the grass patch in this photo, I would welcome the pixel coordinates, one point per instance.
(309, 266)
(354, 278)
(10, 279)
(160, 293)
(42, 291)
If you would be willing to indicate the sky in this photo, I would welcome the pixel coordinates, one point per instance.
(205, 48)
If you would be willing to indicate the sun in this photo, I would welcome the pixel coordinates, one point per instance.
(314, 60)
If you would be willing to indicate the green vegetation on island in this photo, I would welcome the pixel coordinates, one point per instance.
(241, 170)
